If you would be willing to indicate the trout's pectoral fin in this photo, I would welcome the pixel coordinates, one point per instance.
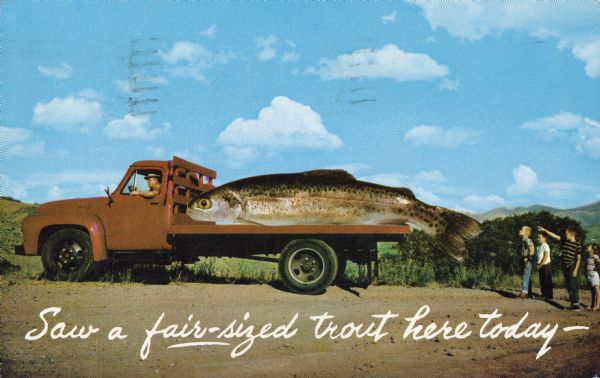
(233, 199)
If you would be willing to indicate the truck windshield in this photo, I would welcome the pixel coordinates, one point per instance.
(137, 181)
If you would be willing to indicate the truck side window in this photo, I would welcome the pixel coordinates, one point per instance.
(144, 182)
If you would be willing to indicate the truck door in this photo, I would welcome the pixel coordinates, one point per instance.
(136, 219)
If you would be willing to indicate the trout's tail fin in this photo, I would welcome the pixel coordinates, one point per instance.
(459, 228)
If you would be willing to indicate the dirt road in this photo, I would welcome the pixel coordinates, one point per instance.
(136, 308)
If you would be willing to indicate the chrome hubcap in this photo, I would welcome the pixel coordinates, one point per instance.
(306, 266)
(69, 255)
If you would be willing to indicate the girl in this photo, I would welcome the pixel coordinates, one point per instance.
(592, 275)
(544, 267)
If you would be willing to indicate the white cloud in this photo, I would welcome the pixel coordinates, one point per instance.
(134, 127)
(282, 125)
(590, 54)
(189, 71)
(266, 48)
(574, 24)
(12, 135)
(483, 202)
(582, 131)
(422, 178)
(238, 157)
(588, 140)
(63, 71)
(17, 141)
(427, 196)
(66, 113)
(449, 85)
(430, 177)
(211, 32)
(440, 137)
(525, 180)
(191, 60)
(351, 167)
(186, 51)
(389, 62)
(29, 149)
(285, 123)
(290, 57)
(389, 18)
(427, 185)
(558, 121)
(71, 183)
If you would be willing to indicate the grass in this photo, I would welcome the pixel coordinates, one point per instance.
(14, 267)
(593, 233)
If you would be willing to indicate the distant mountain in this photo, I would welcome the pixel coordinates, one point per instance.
(586, 215)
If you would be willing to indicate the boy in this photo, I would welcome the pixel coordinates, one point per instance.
(571, 258)
(544, 266)
(527, 253)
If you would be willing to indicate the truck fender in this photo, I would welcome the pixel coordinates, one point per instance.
(91, 223)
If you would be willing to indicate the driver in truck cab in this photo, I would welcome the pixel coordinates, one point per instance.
(153, 184)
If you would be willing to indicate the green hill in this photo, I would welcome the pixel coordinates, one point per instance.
(12, 213)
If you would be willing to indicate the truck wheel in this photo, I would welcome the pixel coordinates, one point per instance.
(67, 255)
(308, 266)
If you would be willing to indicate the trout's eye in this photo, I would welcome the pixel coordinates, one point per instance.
(204, 204)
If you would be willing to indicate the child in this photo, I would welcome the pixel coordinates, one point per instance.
(544, 266)
(571, 251)
(591, 271)
(527, 254)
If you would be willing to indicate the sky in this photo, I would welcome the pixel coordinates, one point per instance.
(472, 105)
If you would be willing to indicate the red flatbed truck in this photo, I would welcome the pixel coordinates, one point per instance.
(73, 235)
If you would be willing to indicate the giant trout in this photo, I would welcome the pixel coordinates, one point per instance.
(330, 197)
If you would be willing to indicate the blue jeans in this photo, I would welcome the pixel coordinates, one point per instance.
(571, 284)
(527, 282)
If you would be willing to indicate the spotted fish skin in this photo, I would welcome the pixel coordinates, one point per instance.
(330, 197)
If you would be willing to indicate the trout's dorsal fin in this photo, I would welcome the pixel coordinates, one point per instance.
(335, 174)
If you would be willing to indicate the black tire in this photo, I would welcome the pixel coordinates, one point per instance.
(308, 266)
(67, 255)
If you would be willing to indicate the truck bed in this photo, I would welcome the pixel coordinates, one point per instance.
(210, 228)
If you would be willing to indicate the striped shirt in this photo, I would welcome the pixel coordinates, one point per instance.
(570, 250)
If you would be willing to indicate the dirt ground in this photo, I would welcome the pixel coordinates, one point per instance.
(137, 307)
